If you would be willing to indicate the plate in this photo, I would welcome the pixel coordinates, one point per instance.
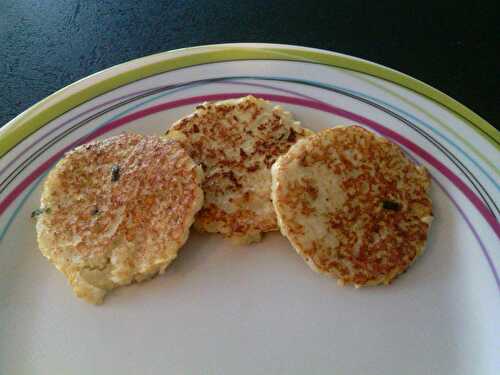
(222, 309)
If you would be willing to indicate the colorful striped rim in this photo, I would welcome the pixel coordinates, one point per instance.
(435, 119)
(74, 95)
(372, 101)
(36, 117)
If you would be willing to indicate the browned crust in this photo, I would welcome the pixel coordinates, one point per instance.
(217, 136)
(149, 203)
(381, 225)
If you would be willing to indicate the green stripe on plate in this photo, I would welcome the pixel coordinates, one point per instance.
(36, 117)
(371, 81)
(388, 74)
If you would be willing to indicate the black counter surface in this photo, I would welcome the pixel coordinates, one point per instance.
(451, 45)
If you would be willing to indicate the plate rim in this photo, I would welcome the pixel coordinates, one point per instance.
(101, 82)
(136, 70)
(15, 147)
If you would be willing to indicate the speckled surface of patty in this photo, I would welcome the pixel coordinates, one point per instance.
(352, 205)
(237, 141)
(117, 211)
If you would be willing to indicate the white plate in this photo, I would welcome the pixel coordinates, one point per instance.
(221, 309)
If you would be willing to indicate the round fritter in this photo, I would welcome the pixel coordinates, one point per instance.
(117, 211)
(352, 205)
(236, 142)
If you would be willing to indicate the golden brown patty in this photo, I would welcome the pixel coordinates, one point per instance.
(352, 205)
(236, 142)
(117, 211)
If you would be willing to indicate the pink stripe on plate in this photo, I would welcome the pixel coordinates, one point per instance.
(279, 98)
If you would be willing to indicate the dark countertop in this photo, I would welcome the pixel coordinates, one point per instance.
(46, 45)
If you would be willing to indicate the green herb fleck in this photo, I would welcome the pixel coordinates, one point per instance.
(40, 211)
(115, 173)
(95, 211)
(391, 205)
